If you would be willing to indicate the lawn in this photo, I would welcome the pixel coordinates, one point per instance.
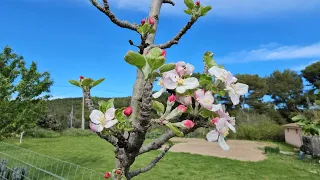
(94, 153)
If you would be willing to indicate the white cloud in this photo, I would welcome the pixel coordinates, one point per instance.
(275, 52)
(230, 8)
(303, 66)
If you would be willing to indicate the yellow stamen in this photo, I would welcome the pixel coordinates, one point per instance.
(102, 120)
(180, 81)
(225, 132)
(160, 83)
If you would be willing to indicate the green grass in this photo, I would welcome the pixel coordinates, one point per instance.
(94, 153)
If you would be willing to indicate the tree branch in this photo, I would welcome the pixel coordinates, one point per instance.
(157, 143)
(109, 138)
(106, 10)
(87, 97)
(151, 165)
(176, 38)
(168, 2)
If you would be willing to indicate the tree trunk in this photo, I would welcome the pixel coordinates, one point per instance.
(142, 91)
(21, 135)
(82, 119)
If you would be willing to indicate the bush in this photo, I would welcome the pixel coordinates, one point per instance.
(77, 132)
(41, 133)
(48, 121)
(269, 149)
(252, 126)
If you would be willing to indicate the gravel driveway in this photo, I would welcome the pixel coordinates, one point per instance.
(239, 149)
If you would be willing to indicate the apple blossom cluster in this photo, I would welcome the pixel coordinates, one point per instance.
(190, 94)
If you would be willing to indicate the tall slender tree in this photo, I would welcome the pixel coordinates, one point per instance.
(22, 93)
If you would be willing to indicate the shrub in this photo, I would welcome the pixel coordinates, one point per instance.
(42, 133)
(48, 121)
(269, 149)
(253, 126)
(17, 173)
(77, 132)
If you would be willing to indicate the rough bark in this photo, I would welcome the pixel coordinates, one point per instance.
(129, 145)
(88, 100)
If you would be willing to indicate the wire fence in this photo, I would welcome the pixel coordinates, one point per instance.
(30, 165)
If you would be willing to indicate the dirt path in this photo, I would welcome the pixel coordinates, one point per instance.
(239, 149)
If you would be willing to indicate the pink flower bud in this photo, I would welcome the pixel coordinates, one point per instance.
(127, 111)
(172, 98)
(198, 3)
(182, 108)
(151, 20)
(188, 124)
(118, 171)
(143, 21)
(92, 128)
(107, 175)
(215, 120)
(163, 53)
(81, 77)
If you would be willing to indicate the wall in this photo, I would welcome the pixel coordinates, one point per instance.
(293, 136)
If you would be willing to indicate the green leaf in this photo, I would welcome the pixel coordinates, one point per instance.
(104, 106)
(158, 106)
(301, 123)
(208, 59)
(188, 11)
(167, 67)
(298, 118)
(205, 10)
(154, 75)
(189, 4)
(175, 130)
(155, 63)
(146, 70)
(221, 93)
(119, 115)
(87, 81)
(144, 28)
(205, 80)
(152, 31)
(205, 113)
(97, 82)
(73, 82)
(154, 52)
(135, 59)
(318, 102)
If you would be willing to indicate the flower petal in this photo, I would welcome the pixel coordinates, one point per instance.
(223, 143)
(96, 128)
(181, 89)
(111, 123)
(199, 94)
(212, 136)
(218, 73)
(208, 96)
(190, 83)
(110, 114)
(159, 93)
(95, 116)
(231, 127)
(169, 84)
(189, 69)
(216, 107)
(241, 88)
(235, 98)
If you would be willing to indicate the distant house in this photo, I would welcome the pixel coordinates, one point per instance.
(293, 134)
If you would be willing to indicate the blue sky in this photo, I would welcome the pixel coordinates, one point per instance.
(69, 38)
